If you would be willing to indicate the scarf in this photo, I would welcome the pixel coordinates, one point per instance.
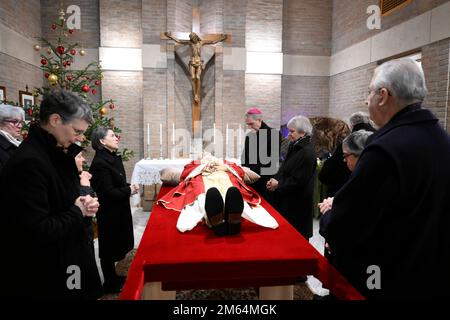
(10, 138)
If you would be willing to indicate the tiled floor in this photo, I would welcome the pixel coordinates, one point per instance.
(140, 219)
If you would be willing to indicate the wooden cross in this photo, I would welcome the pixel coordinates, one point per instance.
(196, 63)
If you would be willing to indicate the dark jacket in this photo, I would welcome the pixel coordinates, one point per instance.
(6, 151)
(394, 211)
(114, 220)
(252, 158)
(293, 197)
(335, 173)
(43, 232)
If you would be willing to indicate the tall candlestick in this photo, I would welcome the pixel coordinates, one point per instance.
(226, 135)
(148, 140)
(173, 133)
(239, 142)
(226, 142)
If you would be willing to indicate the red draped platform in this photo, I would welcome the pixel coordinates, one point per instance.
(257, 257)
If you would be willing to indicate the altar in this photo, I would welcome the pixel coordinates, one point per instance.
(167, 260)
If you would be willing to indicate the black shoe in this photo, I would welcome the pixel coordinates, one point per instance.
(234, 205)
(214, 211)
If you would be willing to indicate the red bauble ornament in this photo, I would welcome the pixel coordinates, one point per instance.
(73, 52)
(97, 82)
(30, 112)
(69, 77)
(60, 49)
(46, 74)
(44, 62)
(65, 64)
(85, 88)
(112, 106)
(53, 26)
(68, 62)
(71, 31)
(94, 91)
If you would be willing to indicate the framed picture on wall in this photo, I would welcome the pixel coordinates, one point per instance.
(26, 98)
(2, 93)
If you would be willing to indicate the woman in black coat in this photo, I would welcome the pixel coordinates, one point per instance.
(114, 220)
(294, 182)
(43, 235)
(11, 121)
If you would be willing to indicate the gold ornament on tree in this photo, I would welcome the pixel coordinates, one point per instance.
(37, 47)
(82, 52)
(53, 79)
(103, 111)
(49, 51)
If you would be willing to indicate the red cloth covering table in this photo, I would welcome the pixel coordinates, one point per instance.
(257, 257)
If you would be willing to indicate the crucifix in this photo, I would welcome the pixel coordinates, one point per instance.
(197, 63)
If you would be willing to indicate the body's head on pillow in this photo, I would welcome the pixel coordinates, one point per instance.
(171, 176)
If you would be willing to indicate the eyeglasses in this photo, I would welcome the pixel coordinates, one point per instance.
(77, 132)
(346, 155)
(15, 122)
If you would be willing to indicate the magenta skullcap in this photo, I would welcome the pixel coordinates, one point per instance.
(254, 111)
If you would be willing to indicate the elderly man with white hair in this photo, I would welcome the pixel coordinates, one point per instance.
(388, 226)
(293, 184)
(11, 121)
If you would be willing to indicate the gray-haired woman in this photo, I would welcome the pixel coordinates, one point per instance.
(294, 182)
(114, 221)
(11, 121)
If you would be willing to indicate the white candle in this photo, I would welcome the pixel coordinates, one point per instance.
(226, 135)
(160, 134)
(173, 133)
(239, 139)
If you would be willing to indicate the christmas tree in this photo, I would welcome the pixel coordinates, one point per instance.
(56, 65)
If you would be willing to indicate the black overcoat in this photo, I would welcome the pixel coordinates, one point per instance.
(394, 212)
(293, 197)
(114, 220)
(43, 233)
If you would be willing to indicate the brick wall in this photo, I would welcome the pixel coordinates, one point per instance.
(125, 88)
(14, 73)
(435, 63)
(264, 91)
(88, 36)
(264, 25)
(154, 20)
(348, 91)
(234, 21)
(349, 19)
(22, 16)
(308, 96)
(120, 23)
(307, 27)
